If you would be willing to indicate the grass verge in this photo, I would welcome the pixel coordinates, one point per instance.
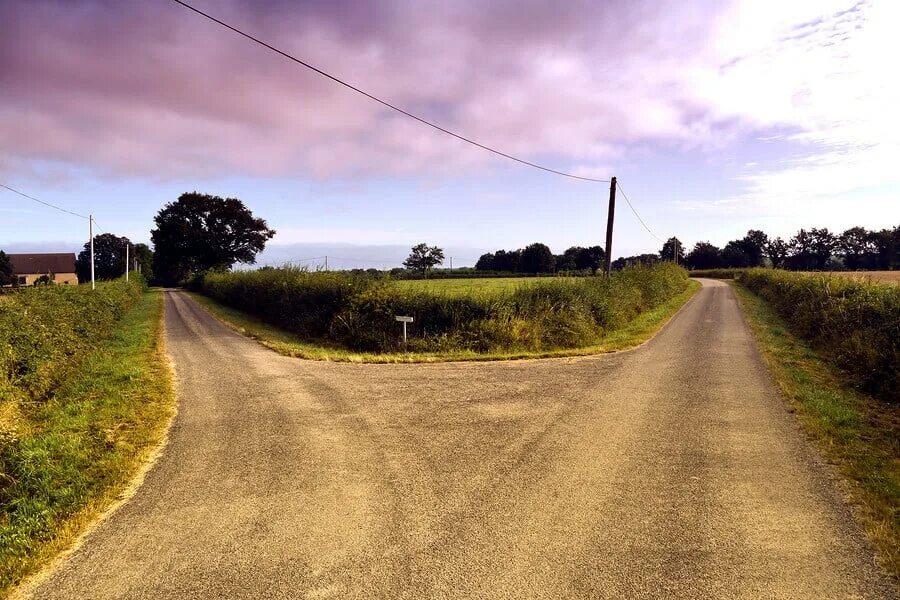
(85, 444)
(857, 433)
(633, 334)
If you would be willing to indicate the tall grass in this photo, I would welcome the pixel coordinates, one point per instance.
(856, 324)
(357, 312)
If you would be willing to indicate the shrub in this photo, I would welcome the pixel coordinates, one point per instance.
(730, 273)
(44, 330)
(357, 311)
(854, 323)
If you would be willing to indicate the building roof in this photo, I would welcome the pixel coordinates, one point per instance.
(61, 262)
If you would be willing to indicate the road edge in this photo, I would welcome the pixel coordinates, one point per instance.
(147, 460)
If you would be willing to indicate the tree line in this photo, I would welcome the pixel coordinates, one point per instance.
(538, 258)
(808, 250)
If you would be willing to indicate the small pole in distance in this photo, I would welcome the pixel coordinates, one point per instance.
(126, 262)
(91, 233)
(609, 226)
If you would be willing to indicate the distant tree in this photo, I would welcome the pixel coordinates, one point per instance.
(857, 247)
(887, 248)
(199, 232)
(7, 277)
(536, 258)
(671, 249)
(800, 252)
(754, 246)
(777, 251)
(735, 256)
(109, 258)
(704, 256)
(638, 260)
(824, 245)
(143, 257)
(423, 258)
(485, 262)
(591, 258)
(507, 261)
(566, 260)
(44, 279)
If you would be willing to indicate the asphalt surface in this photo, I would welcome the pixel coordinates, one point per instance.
(671, 471)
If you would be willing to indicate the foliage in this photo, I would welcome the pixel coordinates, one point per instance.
(672, 249)
(143, 257)
(856, 432)
(47, 328)
(200, 232)
(716, 273)
(854, 323)
(638, 260)
(808, 250)
(67, 451)
(7, 277)
(536, 258)
(109, 258)
(423, 258)
(357, 312)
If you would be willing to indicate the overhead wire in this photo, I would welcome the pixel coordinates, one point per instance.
(628, 202)
(381, 101)
(59, 208)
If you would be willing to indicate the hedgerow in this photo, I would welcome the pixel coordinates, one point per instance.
(854, 323)
(729, 273)
(43, 329)
(357, 311)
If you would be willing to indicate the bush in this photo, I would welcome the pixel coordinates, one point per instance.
(357, 311)
(854, 323)
(44, 330)
(730, 273)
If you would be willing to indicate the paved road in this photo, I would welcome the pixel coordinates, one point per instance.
(672, 471)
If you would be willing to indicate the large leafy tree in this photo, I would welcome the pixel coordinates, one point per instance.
(704, 256)
(423, 258)
(200, 232)
(671, 249)
(857, 248)
(7, 277)
(109, 258)
(777, 251)
(536, 258)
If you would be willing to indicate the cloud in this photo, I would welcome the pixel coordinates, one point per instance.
(153, 90)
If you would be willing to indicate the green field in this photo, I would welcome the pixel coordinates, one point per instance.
(466, 286)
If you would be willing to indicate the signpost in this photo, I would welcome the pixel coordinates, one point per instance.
(404, 320)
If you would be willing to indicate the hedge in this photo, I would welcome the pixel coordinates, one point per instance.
(357, 311)
(45, 330)
(854, 323)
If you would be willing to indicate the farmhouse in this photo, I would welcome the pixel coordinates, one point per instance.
(59, 268)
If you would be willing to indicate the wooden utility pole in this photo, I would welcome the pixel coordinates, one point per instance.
(609, 226)
(91, 233)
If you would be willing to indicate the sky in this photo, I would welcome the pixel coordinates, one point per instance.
(715, 116)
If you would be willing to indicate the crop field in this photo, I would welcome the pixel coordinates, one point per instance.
(474, 285)
(450, 315)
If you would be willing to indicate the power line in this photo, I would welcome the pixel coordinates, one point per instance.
(384, 102)
(628, 202)
(59, 208)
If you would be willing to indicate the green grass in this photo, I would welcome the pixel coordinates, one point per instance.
(80, 447)
(633, 334)
(857, 433)
(475, 285)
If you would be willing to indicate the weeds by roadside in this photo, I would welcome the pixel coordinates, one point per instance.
(78, 442)
(859, 433)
